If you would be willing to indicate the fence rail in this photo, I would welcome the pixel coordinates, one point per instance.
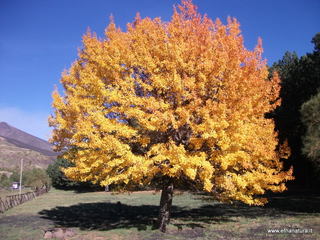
(15, 200)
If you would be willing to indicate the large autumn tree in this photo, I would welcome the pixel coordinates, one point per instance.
(171, 100)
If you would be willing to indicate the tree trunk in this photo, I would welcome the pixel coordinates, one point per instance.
(165, 205)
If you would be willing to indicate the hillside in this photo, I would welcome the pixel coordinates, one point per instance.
(16, 144)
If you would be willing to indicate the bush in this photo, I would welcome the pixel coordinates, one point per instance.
(4, 181)
(60, 181)
(58, 178)
(310, 113)
(36, 178)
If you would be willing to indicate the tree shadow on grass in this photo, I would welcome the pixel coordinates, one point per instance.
(295, 203)
(108, 215)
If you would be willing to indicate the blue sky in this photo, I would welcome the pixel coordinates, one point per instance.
(39, 39)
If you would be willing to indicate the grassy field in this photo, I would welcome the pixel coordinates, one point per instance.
(99, 215)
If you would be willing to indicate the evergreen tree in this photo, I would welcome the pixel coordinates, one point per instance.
(300, 80)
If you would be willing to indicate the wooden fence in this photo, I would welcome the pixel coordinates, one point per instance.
(15, 200)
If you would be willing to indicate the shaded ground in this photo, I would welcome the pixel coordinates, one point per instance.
(190, 223)
(133, 216)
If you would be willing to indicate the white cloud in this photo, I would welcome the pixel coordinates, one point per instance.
(34, 123)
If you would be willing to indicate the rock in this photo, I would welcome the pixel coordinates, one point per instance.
(59, 233)
(48, 235)
(69, 233)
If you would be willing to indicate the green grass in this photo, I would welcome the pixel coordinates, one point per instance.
(100, 215)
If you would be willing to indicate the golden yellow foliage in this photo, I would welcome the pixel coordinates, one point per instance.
(182, 98)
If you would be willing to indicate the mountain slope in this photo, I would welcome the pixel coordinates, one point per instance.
(16, 144)
(25, 140)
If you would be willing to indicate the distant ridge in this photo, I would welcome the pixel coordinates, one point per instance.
(25, 140)
(16, 144)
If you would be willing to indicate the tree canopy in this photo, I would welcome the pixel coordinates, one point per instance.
(172, 100)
